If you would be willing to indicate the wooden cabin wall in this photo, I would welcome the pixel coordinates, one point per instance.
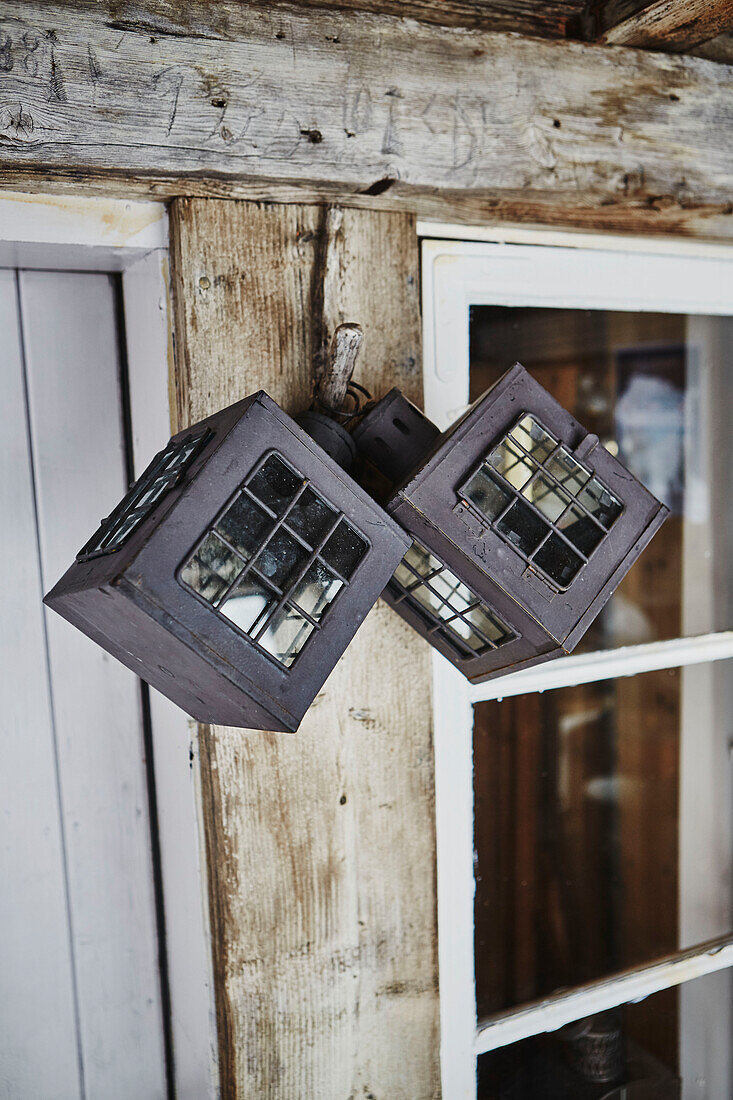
(321, 845)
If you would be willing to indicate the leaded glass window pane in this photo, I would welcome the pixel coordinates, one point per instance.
(542, 501)
(166, 469)
(275, 560)
(448, 606)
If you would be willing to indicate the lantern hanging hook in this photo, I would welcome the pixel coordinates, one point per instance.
(335, 384)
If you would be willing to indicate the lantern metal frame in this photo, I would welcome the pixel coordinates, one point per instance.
(131, 599)
(430, 498)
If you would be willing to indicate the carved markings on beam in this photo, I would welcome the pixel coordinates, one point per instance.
(670, 25)
(305, 104)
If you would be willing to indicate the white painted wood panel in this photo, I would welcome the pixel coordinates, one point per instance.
(76, 431)
(174, 734)
(38, 1047)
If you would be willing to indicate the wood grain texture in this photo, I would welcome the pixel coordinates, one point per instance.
(555, 19)
(299, 105)
(671, 26)
(321, 846)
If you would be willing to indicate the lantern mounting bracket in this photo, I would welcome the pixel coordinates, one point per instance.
(326, 421)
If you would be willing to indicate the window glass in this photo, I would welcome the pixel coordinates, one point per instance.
(653, 1050)
(595, 850)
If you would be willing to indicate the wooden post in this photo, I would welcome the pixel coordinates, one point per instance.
(321, 845)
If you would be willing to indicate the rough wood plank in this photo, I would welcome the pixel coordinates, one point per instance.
(321, 846)
(555, 19)
(718, 49)
(671, 25)
(287, 103)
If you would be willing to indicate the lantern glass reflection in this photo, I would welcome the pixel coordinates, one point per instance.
(448, 605)
(274, 565)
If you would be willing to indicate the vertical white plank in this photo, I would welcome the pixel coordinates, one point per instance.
(445, 389)
(76, 431)
(188, 944)
(453, 724)
(706, 779)
(38, 1036)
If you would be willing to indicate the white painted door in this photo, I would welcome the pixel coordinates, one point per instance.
(80, 987)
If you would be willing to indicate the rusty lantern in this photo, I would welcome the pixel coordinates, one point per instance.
(238, 568)
(523, 525)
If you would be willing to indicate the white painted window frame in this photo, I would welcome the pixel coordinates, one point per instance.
(462, 267)
(131, 238)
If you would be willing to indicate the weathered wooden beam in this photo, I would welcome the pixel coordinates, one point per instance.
(307, 105)
(321, 846)
(543, 18)
(669, 25)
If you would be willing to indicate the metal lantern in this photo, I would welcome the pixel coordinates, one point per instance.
(237, 569)
(523, 525)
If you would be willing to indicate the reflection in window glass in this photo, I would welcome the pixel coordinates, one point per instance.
(653, 1050)
(276, 559)
(656, 390)
(585, 864)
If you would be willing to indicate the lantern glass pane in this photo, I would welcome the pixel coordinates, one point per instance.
(522, 527)
(546, 496)
(243, 525)
(218, 558)
(248, 602)
(571, 475)
(155, 492)
(429, 599)
(285, 635)
(161, 475)
(512, 464)
(314, 593)
(490, 625)
(581, 530)
(466, 632)
(456, 594)
(558, 560)
(548, 491)
(533, 438)
(405, 576)
(447, 606)
(419, 559)
(124, 529)
(254, 567)
(310, 517)
(601, 504)
(209, 585)
(281, 559)
(487, 494)
(344, 550)
(275, 484)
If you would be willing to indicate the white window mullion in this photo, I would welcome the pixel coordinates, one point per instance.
(585, 668)
(554, 1012)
